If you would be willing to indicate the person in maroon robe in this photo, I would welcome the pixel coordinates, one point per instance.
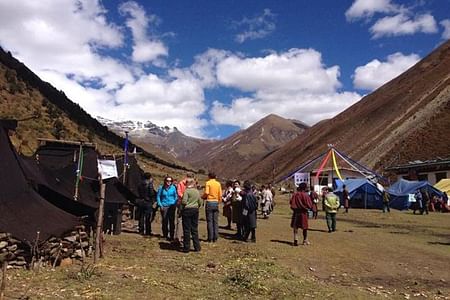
(300, 204)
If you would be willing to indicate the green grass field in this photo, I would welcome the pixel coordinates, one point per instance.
(371, 256)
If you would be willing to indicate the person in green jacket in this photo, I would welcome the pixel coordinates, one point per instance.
(331, 206)
(190, 204)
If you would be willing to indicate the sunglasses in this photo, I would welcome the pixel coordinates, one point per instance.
(168, 180)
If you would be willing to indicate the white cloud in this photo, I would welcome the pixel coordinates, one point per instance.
(376, 73)
(177, 102)
(294, 70)
(293, 84)
(91, 99)
(367, 8)
(402, 24)
(446, 24)
(255, 28)
(65, 38)
(145, 48)
(309, 108)
(204, 68)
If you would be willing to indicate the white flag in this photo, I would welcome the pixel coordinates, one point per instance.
(107, 168)
(301, 177)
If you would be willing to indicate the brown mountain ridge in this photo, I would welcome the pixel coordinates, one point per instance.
(406, 119)
(230, 156)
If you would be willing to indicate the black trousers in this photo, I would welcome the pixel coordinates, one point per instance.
(168, 221)
(190, 228)
(145, 219)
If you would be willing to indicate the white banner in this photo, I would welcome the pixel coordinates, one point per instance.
(301, 177)
(107, 168)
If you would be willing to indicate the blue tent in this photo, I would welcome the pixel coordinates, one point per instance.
(363, 193)
(399, 192)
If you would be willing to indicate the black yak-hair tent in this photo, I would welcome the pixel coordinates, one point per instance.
(133, 175)
(60, 163)
(23, 212)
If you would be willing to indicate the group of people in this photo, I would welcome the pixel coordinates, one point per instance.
(179, 205)
(303, 201)
(424, 202)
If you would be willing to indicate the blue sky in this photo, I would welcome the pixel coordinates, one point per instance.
(212, 67)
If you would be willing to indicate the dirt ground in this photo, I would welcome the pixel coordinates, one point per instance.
(371, 256)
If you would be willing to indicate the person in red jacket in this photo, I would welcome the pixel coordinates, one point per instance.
(300, 204)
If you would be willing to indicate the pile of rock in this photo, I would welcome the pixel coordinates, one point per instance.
(74, 245)
(13, 251)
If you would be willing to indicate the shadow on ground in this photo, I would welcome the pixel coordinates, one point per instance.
(282, 242)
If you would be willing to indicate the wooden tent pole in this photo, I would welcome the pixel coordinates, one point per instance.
(78, 172)
(124, 174)
(98, 232)
(3, 286)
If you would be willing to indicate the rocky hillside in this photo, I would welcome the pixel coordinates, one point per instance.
(48, 113)
(232, 155)
(406, 119)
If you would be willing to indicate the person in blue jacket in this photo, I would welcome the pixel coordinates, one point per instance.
(167, 201)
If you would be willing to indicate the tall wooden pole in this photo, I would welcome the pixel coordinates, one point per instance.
(125, 159)
(98, 232)
(79, 168)
(3, 286)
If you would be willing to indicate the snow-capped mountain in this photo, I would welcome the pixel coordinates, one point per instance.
(170, 140)
(137, 128)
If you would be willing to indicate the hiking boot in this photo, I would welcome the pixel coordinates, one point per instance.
(295, 243)
(306, 243)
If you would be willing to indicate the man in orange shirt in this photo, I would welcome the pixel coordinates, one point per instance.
(212, 195)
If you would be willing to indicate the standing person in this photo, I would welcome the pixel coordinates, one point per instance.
(189, 207)
(300, 204)
(425, 201)
(315, 201)
(331, 206)
(212, 195)
(386, 200)
(226, 200)
(272, 190)
(267, 198)
(236, 203)
(418, 204)
(249, 208)
(167, 200)
(147, 197)
(181, 187)
(346, 198)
